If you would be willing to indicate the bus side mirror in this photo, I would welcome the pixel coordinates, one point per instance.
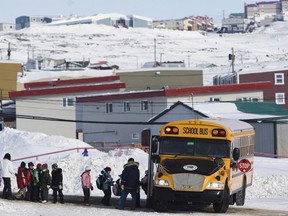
(154, 144)
(236, 154)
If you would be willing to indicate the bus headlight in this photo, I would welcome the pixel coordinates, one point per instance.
(161, 182)
(215, 185)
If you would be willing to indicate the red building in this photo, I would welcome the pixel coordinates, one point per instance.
(279, 79)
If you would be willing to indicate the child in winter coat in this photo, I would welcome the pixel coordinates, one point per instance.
(36, 183)
(86, 185)
(29, 192)
(23, 179)
(57, 183)
(45, 181)
(107, 186)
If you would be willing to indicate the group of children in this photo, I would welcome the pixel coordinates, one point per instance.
(128, 182)
(34, 184)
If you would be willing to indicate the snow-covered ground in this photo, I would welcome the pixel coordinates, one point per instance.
(269, 190)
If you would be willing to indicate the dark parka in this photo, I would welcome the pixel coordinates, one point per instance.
(45, 179)
(57, 178)
(130, 176)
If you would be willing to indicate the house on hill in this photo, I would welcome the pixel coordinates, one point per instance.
(6, 27)
(49, 107)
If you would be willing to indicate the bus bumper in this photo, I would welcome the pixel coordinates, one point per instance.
(208, 196)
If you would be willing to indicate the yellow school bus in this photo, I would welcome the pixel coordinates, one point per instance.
(202, 161)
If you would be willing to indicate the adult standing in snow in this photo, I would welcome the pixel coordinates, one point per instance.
(23, 179)
(129, 183)
(57, 183)
(86, 185)
(45, 181)
(7, 171)
(107, 186)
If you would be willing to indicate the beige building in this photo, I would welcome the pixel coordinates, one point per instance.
(186, 24)
(8, 74)
(157, 78)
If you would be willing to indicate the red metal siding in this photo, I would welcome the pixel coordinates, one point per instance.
(67, 90)
(71, 82)
(180, 91)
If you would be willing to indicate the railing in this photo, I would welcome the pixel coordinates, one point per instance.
(81, 148)
(269, 155)
(144, 148)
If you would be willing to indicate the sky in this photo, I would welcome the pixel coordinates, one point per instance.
(267, 195)
(159, 9)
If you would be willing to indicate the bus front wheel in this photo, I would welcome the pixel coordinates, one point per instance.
(222, 207)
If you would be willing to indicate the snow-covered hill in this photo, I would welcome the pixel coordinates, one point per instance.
(266, 48)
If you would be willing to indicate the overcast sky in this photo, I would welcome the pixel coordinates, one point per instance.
(155, 9)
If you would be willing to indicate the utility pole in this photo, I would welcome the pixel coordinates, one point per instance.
(233, 60)
(9, 51)
(155, 52)
(188, 61)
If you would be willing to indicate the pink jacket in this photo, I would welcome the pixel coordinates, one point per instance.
(86, 179)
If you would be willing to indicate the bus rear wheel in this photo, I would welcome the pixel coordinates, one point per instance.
(160, 205)
(240, 196)
(223, 206)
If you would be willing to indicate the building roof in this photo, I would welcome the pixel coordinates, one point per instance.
(71, 82)
(153, 119)
(263, 71)
(66, 90)
(224, 110)
(178, 92)
(263, 108)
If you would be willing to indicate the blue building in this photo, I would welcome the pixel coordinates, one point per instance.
(28, 21)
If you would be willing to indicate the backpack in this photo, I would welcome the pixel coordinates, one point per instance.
(117, 188)
(99, 181)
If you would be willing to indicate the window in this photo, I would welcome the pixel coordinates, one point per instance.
(280, 98)
(68, 102)
(214, 99)
(127, 107)
(144, 105)
(135, 135)
(279, 79)
(255, 99)
(109, 107)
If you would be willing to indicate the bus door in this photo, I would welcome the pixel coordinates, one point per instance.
(152, 142)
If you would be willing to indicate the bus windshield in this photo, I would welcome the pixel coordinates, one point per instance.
(194, 147)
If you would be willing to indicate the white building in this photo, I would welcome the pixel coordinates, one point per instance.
(119, 118)
(49, 107)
